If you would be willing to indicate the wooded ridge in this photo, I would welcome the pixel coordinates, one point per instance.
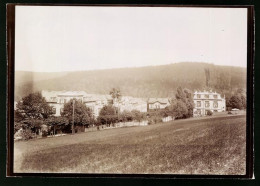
(150, 81)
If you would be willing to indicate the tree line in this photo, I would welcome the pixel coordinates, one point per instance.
(33, 112)
(159, 81)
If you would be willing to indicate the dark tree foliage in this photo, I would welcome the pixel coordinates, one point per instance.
(138, 116)
(34, 106)
(182, 106)
(116, 94)
(31, 111)
(178, 109)
(237, 100)
(58, 122)
(189, 102)
(126, 116)
(108, 115)
(82, 114)
(159, 81)
(223, 82)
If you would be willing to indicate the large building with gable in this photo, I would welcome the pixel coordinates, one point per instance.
(208, 101)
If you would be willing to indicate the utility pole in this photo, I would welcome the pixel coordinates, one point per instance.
(73, 130)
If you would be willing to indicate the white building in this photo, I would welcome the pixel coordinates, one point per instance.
(158, 103)
(130, 103)
(208, 100)
(95, 102)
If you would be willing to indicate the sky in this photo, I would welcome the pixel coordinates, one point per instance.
(70, 38)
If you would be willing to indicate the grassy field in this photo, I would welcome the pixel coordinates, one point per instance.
(214, 145)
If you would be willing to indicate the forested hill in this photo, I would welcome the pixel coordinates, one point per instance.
(151, 81)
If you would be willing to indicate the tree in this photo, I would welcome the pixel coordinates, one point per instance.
(223, 82)
(107, 115)
(82, 114)
(207, 73)
(31, 111)
(178, 109)
(57, 122)
(237, 100)
(34, 106)
(126, 116)
(137, 115)
(180, 95)
(182, 106)
(189, 102)
(116, 95)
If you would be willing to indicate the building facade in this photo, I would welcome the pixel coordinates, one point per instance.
(157, 103)
(130, 103)
(95, 102)
(208, 101)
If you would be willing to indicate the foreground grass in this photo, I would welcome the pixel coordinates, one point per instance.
(208, 146)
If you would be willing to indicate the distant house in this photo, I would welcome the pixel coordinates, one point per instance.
(157, 103)
(95, 102)
(57, 99)
(130, 103)
(208, 101)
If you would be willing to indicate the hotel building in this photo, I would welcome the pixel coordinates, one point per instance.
(208, 101)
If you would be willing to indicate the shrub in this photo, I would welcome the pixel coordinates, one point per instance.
(154, 120)
(229, 108)
(44, 134)
(209, 113)
(27, 134)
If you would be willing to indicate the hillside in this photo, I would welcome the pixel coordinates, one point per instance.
(151, 81)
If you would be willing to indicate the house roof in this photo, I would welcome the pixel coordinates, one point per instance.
(160, 100)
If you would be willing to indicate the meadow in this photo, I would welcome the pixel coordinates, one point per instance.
(209, 145)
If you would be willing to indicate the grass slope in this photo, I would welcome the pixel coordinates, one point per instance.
(193, 146)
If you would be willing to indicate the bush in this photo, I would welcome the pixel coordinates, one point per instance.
(44, 134)
(154, 120)
(229, 112)
(229, 108)
(27, 134)
(209, 113)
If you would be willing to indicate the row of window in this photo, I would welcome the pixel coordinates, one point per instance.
(199, 111)
(207, 96)
(207, 104)
(65, 100)
(61, 110)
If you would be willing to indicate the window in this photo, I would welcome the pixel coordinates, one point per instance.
(198, 96)
(206, 96)
(215, 96)
(53, 110)
(199, 111)
(207, 104)
(198, 103)
(215, 104)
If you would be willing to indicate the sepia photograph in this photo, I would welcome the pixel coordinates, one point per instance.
(130, 90)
